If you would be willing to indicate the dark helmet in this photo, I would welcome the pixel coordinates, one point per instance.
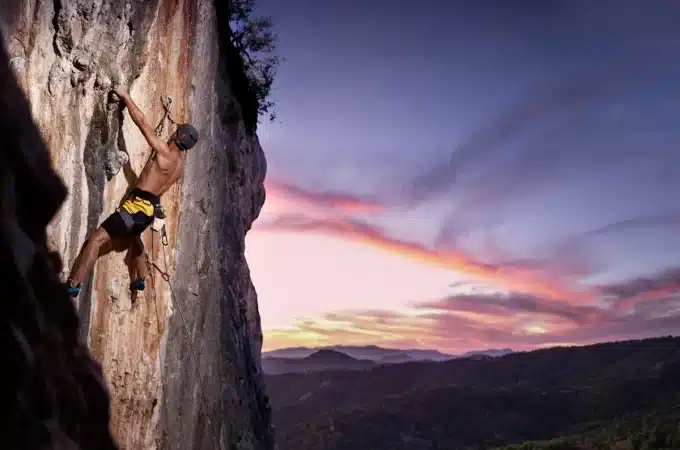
(186, 136)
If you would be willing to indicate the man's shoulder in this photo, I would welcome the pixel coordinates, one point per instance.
(160, 146)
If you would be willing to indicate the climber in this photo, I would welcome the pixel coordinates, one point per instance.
(163, 168)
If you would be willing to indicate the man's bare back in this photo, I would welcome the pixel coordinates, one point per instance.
(160, 172)
(163, 168)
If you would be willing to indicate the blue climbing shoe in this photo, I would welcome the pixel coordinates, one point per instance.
(73, 291)
(138, 285)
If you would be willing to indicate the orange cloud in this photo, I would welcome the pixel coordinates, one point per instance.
(280, 191)
(507, 278)
(453, 330)
(472, 322)
(350, 328)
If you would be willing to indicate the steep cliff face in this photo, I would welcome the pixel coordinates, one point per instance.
(183, 370)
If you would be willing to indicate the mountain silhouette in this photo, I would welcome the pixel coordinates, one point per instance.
(371, 352)
(320, 360)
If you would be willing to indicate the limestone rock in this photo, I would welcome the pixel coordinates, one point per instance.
(183, 365)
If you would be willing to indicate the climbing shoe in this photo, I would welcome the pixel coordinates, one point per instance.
(137, 285)
(73, 290)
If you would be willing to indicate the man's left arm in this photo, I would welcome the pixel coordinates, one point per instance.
(138, 118)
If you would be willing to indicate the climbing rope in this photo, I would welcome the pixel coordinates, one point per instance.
(166, 276)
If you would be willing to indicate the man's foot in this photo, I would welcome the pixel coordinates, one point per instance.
(73, 290)
(137, 285)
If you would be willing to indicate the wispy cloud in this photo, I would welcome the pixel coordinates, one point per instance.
(282, 191)
(535, 138)
(632, 223)
(653, 287)
(466, 322)
(539, 108)
(513, 277)
(538, 302)
(569, 256)
(503, 304)
(546, 277)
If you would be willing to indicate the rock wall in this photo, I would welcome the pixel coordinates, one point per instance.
(182, 359)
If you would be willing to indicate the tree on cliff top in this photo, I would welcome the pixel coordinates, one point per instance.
(255, 41)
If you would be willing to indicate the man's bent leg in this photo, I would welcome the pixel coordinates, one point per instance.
(119, 224)
(88, 256)
(138, 263)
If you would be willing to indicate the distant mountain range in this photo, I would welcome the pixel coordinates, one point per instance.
(325, 359)
(371, 352)
(618, 395)
(351, 357)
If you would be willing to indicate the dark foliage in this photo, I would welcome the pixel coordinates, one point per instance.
(474, 404)
(650, 432)
(250, 46)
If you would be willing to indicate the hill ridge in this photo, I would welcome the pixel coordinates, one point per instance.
(531, 395)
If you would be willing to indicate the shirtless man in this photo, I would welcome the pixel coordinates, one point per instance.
(161, 171)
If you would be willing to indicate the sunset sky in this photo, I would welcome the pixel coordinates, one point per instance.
(463, 175)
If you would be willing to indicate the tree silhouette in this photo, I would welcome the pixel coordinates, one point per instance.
(255, 41)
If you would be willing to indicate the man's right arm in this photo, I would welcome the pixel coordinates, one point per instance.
(138, 118)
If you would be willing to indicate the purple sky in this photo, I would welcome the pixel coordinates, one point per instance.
(524, 132)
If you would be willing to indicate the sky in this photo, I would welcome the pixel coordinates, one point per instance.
(465, 175)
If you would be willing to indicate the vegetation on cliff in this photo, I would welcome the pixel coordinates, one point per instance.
(254, 41)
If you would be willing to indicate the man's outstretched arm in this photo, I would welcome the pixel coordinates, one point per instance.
(138, 118)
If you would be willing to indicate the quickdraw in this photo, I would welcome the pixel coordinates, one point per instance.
(166, 114)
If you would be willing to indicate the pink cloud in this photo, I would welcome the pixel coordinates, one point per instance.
(538, 306)
(287, 192)
(468, 322)
(515, 278)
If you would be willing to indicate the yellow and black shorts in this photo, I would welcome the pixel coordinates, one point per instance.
(134, 215)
